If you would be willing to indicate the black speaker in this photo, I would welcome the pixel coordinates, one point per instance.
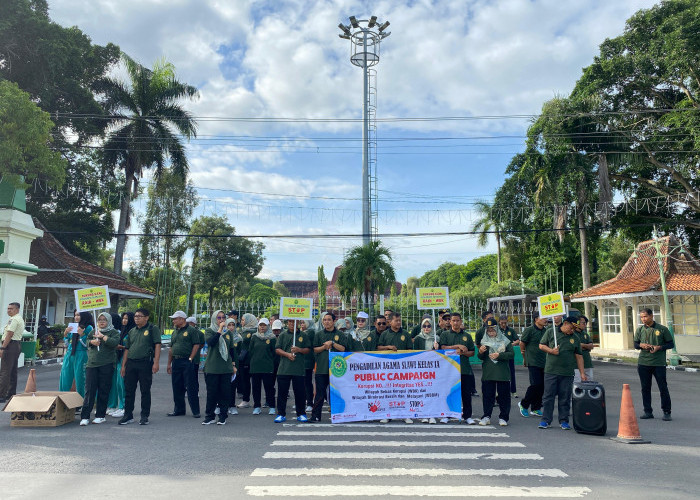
(588, 408)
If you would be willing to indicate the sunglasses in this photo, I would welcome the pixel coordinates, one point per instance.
(427, 326)
(381, 324)
(361, 320)
(221, 317)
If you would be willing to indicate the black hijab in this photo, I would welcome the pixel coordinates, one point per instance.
(86, 320)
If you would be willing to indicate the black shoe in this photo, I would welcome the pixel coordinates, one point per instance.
(208, 421)
(667, 417)
(175, 414)
(221, 422)
(646, 416)
(197, 415)
(126, 420)
(314, 420)
(143, 421)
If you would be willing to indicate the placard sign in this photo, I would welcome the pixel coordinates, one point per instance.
(433, 298)
(296, 308)
(90, 299)
(551, 305)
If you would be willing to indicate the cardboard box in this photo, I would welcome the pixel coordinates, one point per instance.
(43, 409)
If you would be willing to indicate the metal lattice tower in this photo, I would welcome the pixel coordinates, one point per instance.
(365, 36)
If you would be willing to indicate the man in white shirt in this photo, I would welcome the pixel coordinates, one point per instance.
(9, 352)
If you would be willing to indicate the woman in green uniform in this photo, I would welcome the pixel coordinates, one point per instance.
(307, 326)
(495, 352)
(262, 365)
(249, 325)
(101, 357)
(427, 339)
(237, 341)
(363, 338)
(292, 346)
(218, 368)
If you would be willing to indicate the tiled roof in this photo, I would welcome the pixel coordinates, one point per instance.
(641, 271)
(57, 265)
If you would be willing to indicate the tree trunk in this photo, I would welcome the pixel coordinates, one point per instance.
(124, 208)
(498, 257)
(585, 265)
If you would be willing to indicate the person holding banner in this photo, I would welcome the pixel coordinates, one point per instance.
(395, 338)
(496, 350)
(249, 325)
(462, 342)
(141, 362)
(563, 350)
(218, 369)
(328, 339)
(292, 346)
(535, 360)
(73, 368)
(380, 325)
(262, 366)
(98, 370)
(427, 339)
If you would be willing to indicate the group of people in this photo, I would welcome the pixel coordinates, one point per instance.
(106, 361)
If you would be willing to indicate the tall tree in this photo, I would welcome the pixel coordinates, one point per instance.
(147, 129)
(366, 270)
(489, 222)
(220, 259)
(322, 286)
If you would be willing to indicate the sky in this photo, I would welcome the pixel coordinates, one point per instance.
(279, 149)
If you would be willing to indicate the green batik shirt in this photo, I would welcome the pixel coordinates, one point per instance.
(215, 364)
(141, 342)
(285, 342)
(401, 339)
(564, 363)
(459, 338)
(183, 340)
(585, 338)
(107, 353)
(656, 334)
(262, 354)
(321, 338)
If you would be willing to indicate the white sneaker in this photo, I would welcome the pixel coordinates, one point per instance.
(244, 404)
(118, 413)
(471, 421)
(432, 421)
(423, 420)
(444, 420)
(272, 411)
(257, 411)
(217, 411)
(99, 420)
(502, 422)
(309, 409)
(84, 422)
(110, 411)
(233, 411)
(384, 421)
(408, 420)
(485, 421)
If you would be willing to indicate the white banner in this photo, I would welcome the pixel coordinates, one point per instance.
(404, 384)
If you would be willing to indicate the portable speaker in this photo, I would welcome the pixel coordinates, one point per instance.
(588, 408)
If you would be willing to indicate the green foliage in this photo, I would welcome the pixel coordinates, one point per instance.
(366, 269)
(322, 287)
(411, 284)
(282, 290)
(25, 138)
(455, 276)
(260, 293)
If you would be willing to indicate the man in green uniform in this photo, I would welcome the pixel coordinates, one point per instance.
(462, 342)
(586, 348)
(292, 347)
(184, 345)
(141, 362)
(535, 360)
(653, 339)
(307, 326)
(395, 338)
(563, 350)
(328, 339)
(192, 321)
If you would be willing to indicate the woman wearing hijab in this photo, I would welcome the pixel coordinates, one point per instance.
(262, 365)
(101, 358)
(495, 352)
(363, 339)
(74, 362)
(218, 369)
(116, 395)
(427, 339)
(236, 341)
(249, 325)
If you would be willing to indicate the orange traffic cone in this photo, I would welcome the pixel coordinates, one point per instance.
(31, 381)
(628, 430)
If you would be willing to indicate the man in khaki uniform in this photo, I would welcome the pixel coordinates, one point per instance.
(10, 351)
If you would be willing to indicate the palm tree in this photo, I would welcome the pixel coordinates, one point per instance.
(487, 223)
(145, 129)
(366, 270)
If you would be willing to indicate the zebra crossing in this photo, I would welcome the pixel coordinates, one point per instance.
(420, 460)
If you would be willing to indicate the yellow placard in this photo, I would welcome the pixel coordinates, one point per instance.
(551, 305)
(296, 308)
(89, 299)
(433, 298)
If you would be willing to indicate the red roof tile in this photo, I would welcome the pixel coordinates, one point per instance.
(641, 271)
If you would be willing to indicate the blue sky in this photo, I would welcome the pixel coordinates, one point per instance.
(490, 63)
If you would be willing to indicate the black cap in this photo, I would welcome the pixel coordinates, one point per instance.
(491, 323)
(573, 319)
(232, 313)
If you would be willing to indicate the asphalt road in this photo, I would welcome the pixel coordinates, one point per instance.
(176, 457)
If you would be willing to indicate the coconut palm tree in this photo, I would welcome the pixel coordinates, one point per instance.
(145, 130)
(366, 269)
(487, 223)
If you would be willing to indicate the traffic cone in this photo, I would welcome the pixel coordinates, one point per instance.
(31, 381)
(628, 430)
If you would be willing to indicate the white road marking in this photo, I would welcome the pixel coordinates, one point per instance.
(416, 444)
(419, 490)
(369, 455)
(307, 471)
(393, 433)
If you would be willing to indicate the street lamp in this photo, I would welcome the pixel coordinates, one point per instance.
(365, 36)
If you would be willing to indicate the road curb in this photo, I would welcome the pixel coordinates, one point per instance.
(621, 362)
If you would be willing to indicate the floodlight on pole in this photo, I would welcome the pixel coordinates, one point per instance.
(365, 36)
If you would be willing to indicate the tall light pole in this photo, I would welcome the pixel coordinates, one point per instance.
(365, 36)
